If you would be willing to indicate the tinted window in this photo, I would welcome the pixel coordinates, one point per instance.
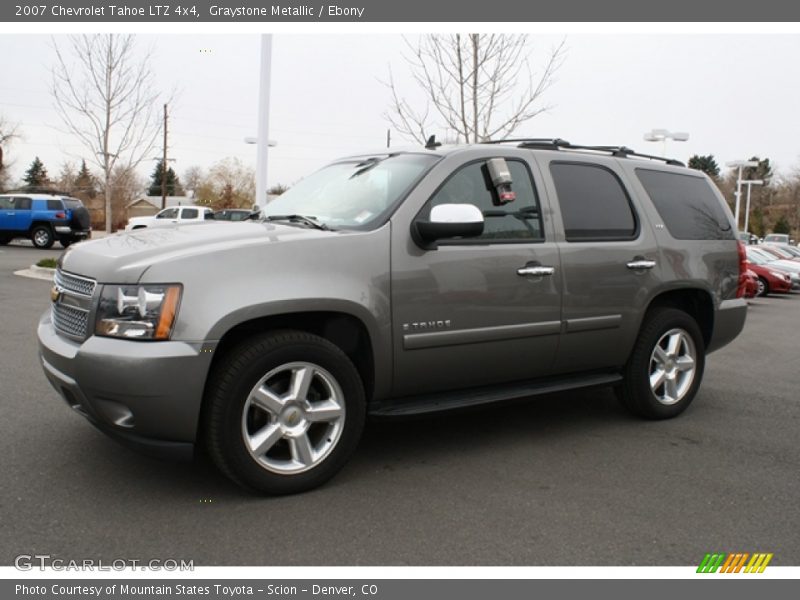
(594, 205)
(190, 213)
(688, 206)
(516, 221)
(54, 205)
(169, 213)
(22, 203)
(6, 203)
(73, 203)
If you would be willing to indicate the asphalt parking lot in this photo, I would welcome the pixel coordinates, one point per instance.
(567, 479)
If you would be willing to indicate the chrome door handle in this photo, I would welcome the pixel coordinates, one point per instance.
(535, 271)
(641, 263)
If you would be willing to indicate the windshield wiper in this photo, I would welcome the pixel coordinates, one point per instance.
(307, 220)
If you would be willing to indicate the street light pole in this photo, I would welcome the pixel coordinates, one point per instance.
(662, 135)
(750, 183)
(741, 164)
(263, 120)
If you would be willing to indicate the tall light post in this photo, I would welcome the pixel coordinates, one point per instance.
(749, 183)
(662, 135)
(263, 120)
(741, 164)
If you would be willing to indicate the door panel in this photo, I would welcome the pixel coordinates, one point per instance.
(608, 260)
(462, 314)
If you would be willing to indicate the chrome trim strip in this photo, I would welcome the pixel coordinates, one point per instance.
(433, 339)
(593, 323)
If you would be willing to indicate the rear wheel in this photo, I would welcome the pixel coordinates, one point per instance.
(283, 412)
(666, 365)
(42, 236)
(763, 287)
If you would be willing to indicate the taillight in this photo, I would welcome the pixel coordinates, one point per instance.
(61, 215)
(742, 270)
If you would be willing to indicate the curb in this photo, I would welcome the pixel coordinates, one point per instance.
(34, 272)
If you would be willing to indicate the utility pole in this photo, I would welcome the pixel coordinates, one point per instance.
(164, 165)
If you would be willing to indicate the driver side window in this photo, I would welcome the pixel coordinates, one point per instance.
(169, 213)
(516, 221)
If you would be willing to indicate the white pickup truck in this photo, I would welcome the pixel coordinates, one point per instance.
(170, 217)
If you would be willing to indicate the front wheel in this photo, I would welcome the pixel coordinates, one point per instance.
(666, 366)
(283, 412)
(42, 237)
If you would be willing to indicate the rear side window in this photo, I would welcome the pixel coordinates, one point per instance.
(594, 205)
(688, 205)
(190, 213)
(54, 205)
(6, 203)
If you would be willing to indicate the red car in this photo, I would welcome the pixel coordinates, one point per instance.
(751, 287)
(770, 279)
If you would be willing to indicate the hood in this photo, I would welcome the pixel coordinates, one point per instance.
(123, 257)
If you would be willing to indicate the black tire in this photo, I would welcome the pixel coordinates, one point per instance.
(229, 415)
(42, 237)
(763, 287)
(662, 325)
(64, 242)
(4, 241)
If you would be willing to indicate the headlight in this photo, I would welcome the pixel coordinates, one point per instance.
(141, 312)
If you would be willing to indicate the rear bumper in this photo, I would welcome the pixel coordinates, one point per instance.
(144, 395)
(728, 323)
(73, 234)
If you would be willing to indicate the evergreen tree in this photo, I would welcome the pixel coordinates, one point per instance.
(173, 185)
(85, 184)
(706, 164)
(782, 225)
(36, 175)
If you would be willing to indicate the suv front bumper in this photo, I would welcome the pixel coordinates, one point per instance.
(144, 394)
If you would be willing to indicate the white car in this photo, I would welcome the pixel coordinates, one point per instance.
(170, 217)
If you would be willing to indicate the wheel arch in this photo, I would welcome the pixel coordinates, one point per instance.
(343, 329)
(696, 302)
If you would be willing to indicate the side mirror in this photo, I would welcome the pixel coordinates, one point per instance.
(448, 221)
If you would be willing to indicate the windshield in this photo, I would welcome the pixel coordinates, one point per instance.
(352, 193)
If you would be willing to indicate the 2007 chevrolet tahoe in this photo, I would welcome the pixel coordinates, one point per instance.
(394, 284)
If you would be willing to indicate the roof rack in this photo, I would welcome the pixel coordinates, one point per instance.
(38, 189)
(559, 144)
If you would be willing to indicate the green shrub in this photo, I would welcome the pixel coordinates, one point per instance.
(49, 263)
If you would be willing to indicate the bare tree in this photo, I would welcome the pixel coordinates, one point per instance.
(8, 133)
(228, 184)
(192, 177)
(106, 97)
(477, 86)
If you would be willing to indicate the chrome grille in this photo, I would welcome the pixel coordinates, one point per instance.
(74, 283)
(70, 320)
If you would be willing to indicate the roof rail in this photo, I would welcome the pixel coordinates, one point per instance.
(38, 189)
(559, 144)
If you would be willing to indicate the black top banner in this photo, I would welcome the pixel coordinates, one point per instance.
(474, 11)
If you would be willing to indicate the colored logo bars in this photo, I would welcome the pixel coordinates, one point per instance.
(734, 562)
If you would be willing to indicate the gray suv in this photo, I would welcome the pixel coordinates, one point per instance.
(398, 283)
